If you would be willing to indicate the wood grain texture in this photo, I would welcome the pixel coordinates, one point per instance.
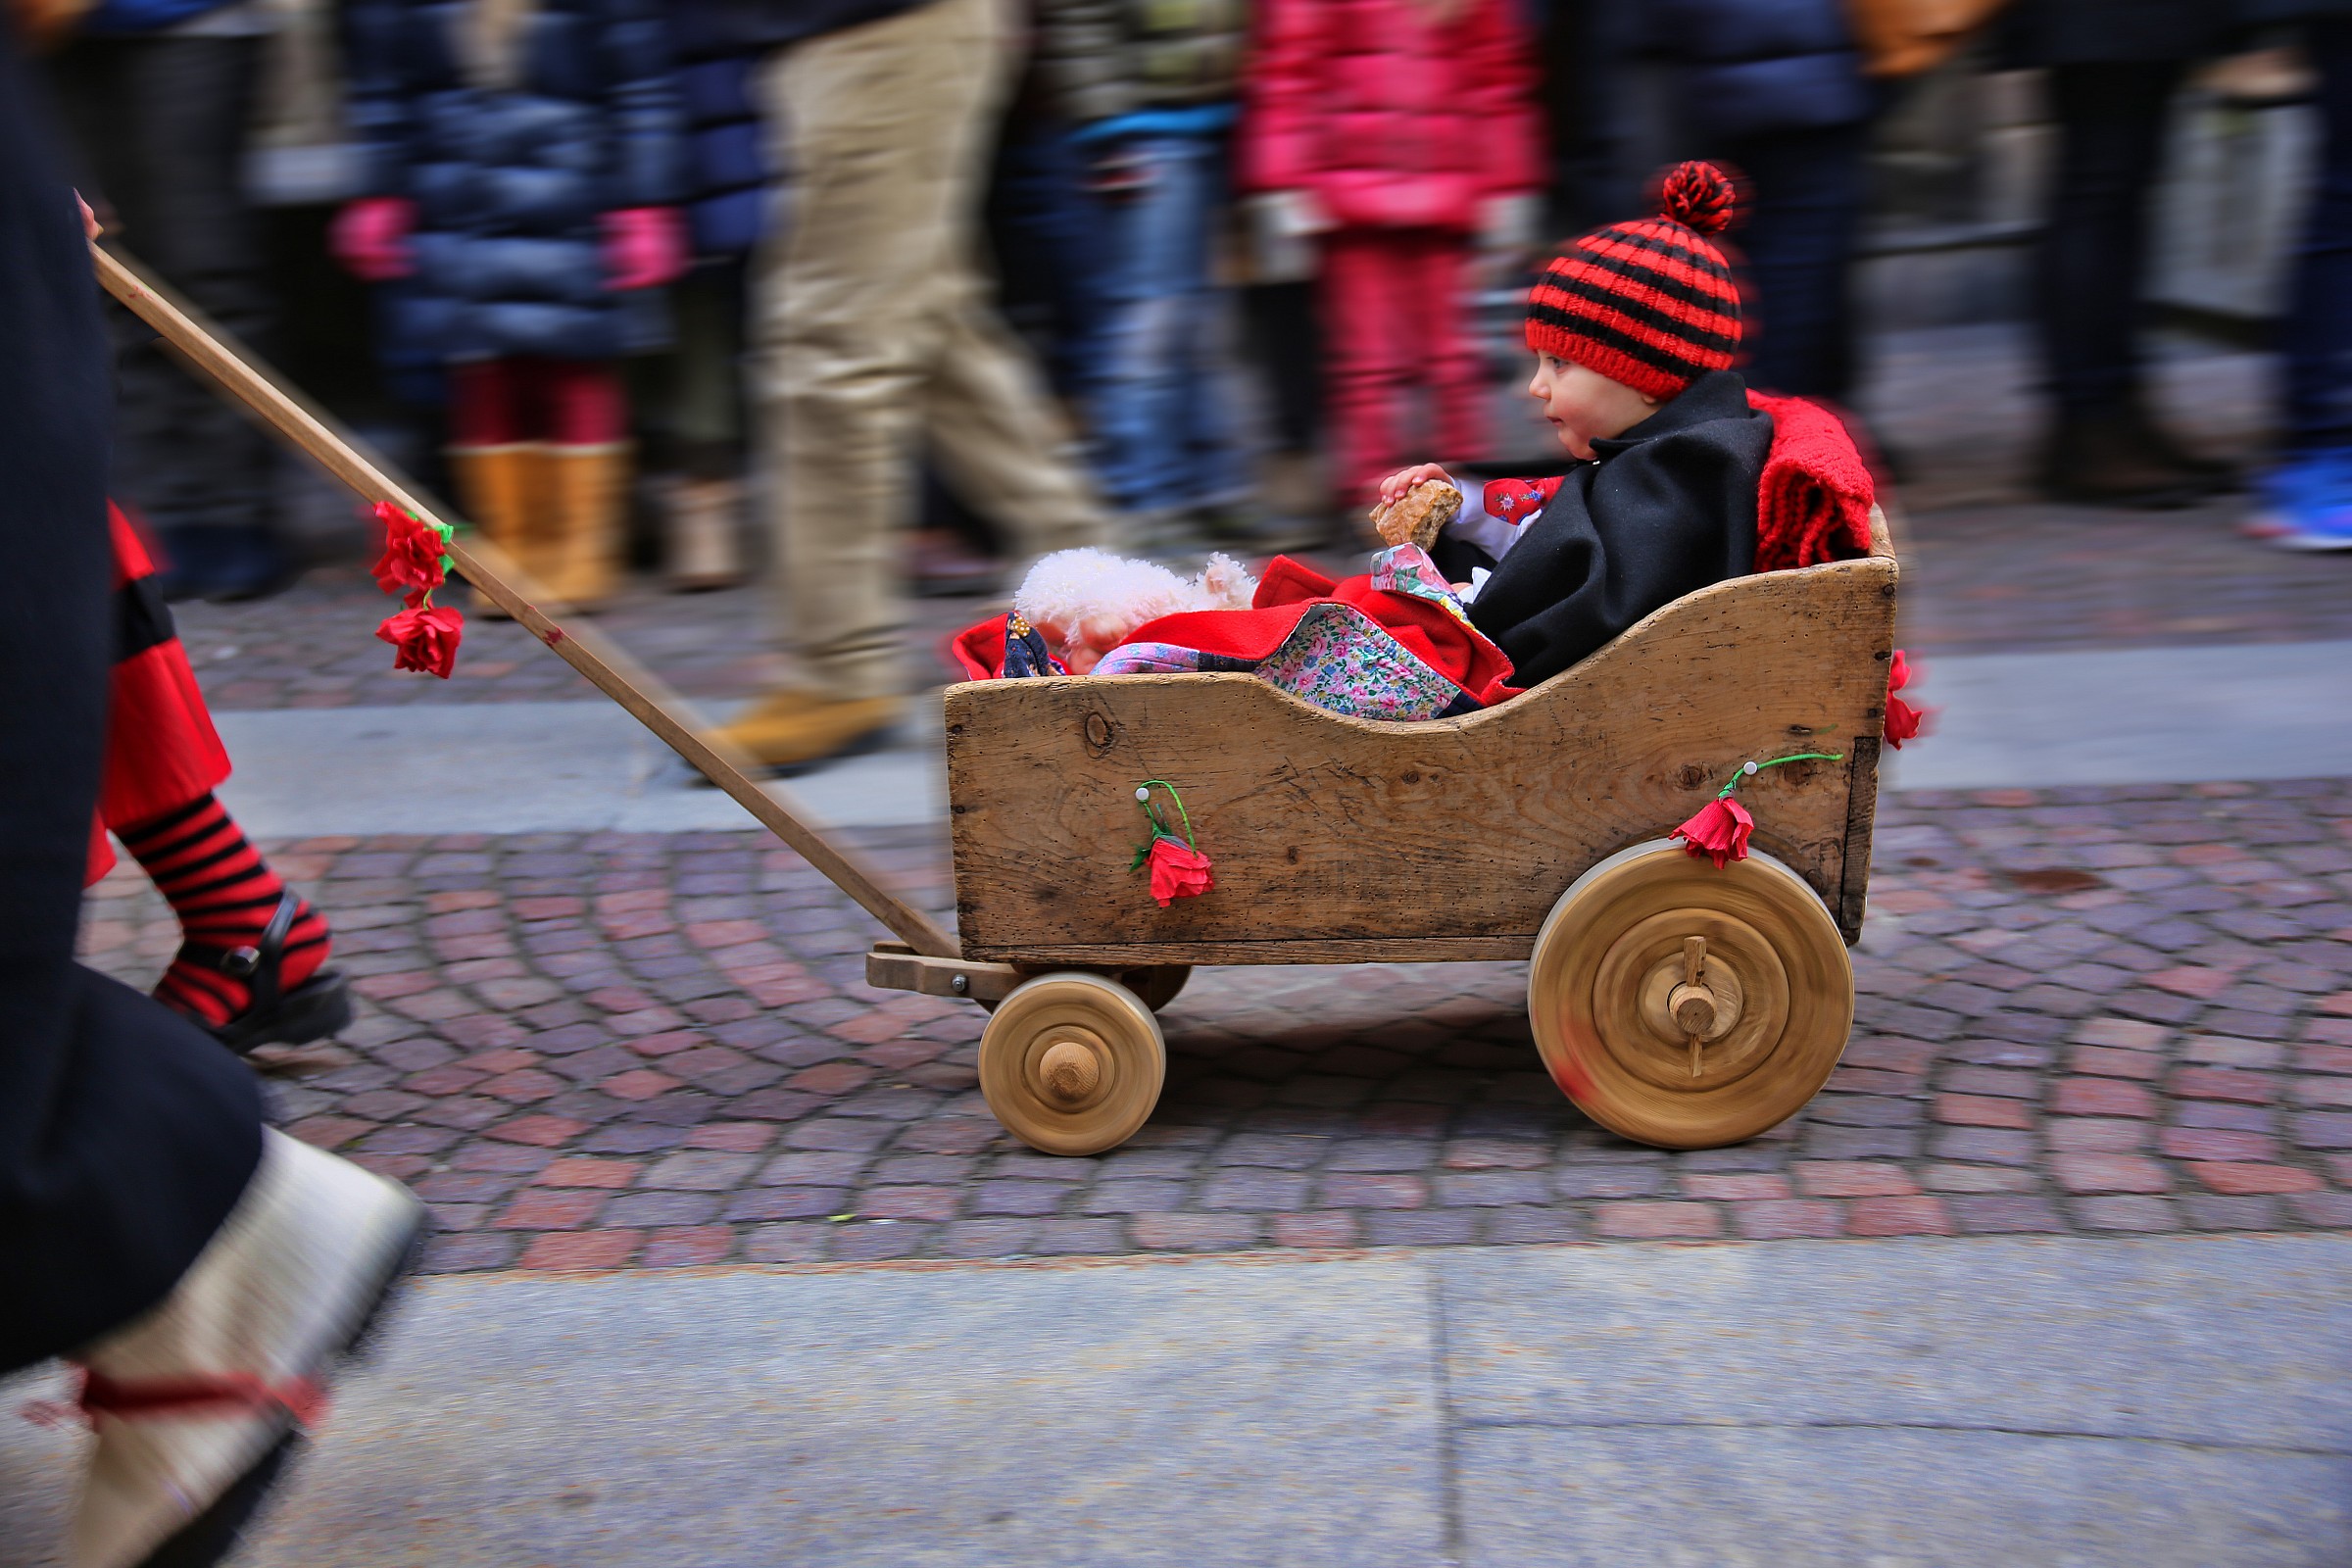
(1342, 840)
(896, 966)
(482, 563)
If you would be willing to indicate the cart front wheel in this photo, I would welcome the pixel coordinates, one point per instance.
(1687, 1005)
(1072, 1064)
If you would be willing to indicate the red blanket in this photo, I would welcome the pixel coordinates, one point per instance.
(1813, 502)
(1443, 641)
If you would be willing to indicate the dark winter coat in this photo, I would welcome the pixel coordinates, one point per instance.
(1104, 59)
(726, 164)
(1749, 68)
(1668, 508)
(126, 1133)
(511, 185)
(2090, 32)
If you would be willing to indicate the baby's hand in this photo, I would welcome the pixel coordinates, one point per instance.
(1393, 487)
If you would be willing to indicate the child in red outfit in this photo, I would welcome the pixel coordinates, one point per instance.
(250, 967)
(1397, 131)
(1634, 330)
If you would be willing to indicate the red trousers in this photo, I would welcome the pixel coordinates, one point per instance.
(160, 749)
(1397, 308)
(564, 403)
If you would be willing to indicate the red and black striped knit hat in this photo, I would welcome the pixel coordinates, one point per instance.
(1647, 303)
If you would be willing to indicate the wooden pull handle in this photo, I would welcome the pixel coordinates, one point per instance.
(648, 699)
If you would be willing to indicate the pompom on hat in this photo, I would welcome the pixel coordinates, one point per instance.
(1650, 302)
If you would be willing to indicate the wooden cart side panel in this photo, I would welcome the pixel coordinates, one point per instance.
(1343, 837)
(1862, 787)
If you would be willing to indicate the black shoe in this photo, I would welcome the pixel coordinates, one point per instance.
(2096, 459)
(314, 1009)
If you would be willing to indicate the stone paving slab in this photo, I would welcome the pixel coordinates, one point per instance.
(2080, 1011)
(533, 768)
(1876, 1499)
(2077, 1400)
(2029, 1338)
(1160, 1417)
(2129, 715)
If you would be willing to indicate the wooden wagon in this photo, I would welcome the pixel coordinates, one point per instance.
(1675, 1001)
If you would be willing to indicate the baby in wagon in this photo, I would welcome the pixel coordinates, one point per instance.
(1685, 478)
(1634, 332)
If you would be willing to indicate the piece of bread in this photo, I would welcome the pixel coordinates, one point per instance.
(1419, 514)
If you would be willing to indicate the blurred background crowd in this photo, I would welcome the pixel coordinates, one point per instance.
(881, 293)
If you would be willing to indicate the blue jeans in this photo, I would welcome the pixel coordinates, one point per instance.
(2318, 320)
(1162, 439)
(2094, 247)
(1048, 240)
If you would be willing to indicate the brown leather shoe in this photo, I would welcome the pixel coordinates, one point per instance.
(499, 486)
(795, 728)
(587, 490)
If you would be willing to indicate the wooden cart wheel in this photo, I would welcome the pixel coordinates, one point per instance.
(1685, 1005)
(1072, 1064)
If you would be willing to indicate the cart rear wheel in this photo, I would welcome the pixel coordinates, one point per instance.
(1687, 1005)
(1072, 1064)
(1158, 985)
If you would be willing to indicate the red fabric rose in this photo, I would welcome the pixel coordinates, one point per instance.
(413, 552)
(424, 636)
(1178, 871)
(1719, 832)
(1903, 722)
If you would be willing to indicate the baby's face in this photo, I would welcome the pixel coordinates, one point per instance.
(1585, 406)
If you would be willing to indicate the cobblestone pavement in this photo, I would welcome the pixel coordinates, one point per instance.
(2121, 1009)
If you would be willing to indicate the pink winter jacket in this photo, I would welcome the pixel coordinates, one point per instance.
(1394, 113)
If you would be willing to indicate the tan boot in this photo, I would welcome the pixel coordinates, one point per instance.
(795, 727)
(587, 491)
(498, 486)
(195, 1403)
(704, 549)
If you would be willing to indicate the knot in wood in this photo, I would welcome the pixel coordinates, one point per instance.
(1099, 734)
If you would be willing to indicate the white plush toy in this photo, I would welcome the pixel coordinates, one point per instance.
(1086, 601)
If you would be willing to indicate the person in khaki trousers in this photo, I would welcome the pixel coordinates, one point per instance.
(872, 331)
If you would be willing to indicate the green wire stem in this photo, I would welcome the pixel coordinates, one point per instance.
(1746, 768)
(1183, 815)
